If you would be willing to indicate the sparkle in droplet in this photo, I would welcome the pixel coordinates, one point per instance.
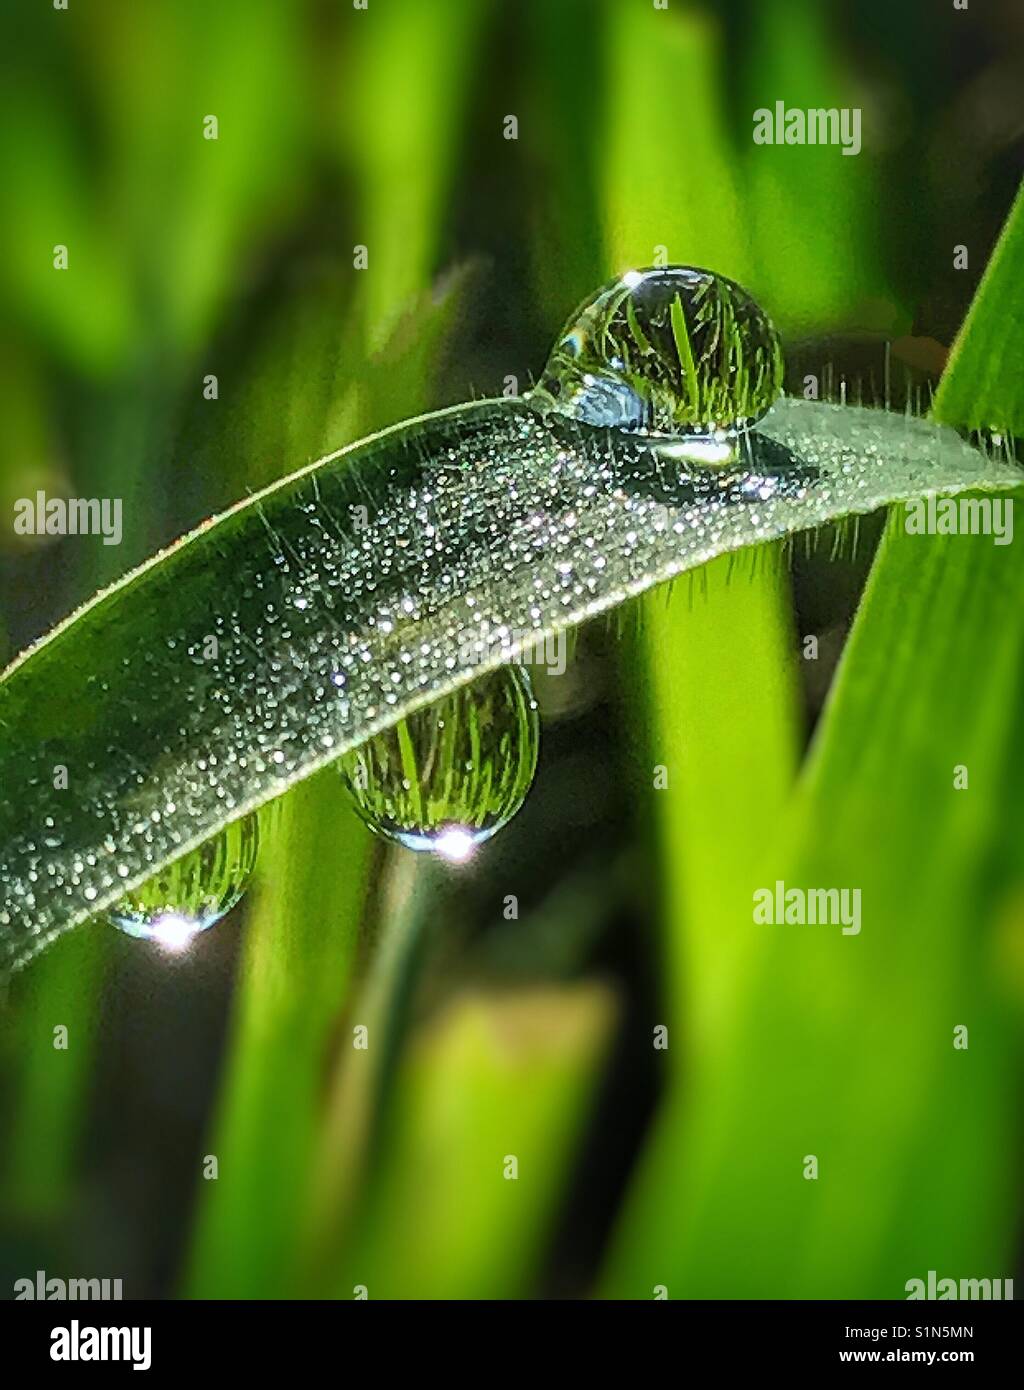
(450, 775)
(194, 892)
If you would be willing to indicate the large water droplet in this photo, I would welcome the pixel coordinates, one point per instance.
(195, 891)
(672, 350)
(451, 774)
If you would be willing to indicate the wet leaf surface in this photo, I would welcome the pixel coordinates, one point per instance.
(307, 618)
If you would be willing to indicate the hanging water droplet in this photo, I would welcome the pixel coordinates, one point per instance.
(195, 891)
(671, 350)
(451, 774)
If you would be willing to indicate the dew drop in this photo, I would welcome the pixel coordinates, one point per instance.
(194, 892)
(453, 773)
(671, 350)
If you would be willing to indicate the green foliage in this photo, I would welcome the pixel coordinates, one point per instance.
(486, 1108)
(983, 387)
(299, 950)
(387, 1166)
(777, 1046)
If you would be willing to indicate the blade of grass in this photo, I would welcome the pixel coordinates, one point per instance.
(566, 80)
(359, 1086)
(720, 719)
(182, 208)
(403, 99)
(720, 694)
(840, 1046)
(665, 130)
(716, 653)
(49, 1080)
(491, 1080)
(296, 594)
(812, 210)
(982, 385)
(298, 954)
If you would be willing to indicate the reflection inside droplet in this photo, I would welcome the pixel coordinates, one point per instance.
(671, 350)
(195, 892)
(450, 775)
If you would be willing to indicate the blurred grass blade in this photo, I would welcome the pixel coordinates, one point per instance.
(801, 1065)
(493, 1079)
(153, 214)
(359, 1084)
(720, 720)
(404, 146)
(802, 1062)
(297, 959)
(49, 1085)
(717, 699)
(983, 386)
(564, 93)
(813, 211)
(674, 92)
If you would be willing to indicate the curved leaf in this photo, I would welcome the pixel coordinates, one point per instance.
(321, 610)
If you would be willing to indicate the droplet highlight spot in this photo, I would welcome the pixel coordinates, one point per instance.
(193, 893)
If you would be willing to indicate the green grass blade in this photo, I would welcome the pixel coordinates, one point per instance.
(702, 691)
(490, 1080)
(812, 211)
(718, 698)
(297, 960)
(49, 1082)
(411, 894)
(665, 129)
(563, 93)
(842, 1046)
(983, 385)
(721, 722)
(403, 97)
